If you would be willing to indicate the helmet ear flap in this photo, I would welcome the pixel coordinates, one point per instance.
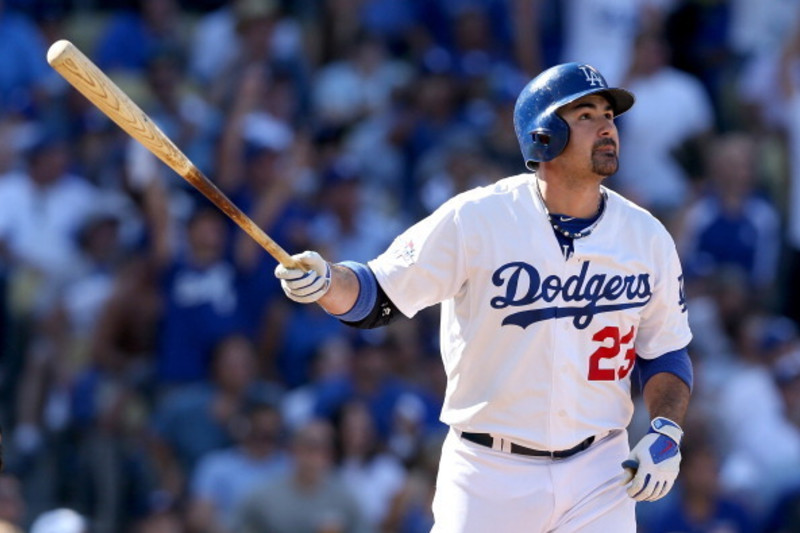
(547, 141)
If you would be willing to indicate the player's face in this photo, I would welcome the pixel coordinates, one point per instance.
(593, 135)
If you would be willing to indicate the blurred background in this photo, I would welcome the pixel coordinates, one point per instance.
(153, 377)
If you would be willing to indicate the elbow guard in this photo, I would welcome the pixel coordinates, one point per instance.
(372, 308)
(383, 312)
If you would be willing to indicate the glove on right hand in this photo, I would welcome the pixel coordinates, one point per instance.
(655, 461)
(305, 286)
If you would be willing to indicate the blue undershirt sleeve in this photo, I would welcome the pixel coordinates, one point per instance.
(677, 363)
(367, 293)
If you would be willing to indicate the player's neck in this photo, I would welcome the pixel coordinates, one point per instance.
(571, 198)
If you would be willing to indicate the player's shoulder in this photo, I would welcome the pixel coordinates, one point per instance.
(479, 202)
(635, 216)
(497, 191)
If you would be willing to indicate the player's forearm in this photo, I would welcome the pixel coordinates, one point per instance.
(343, 292)
(667, 395)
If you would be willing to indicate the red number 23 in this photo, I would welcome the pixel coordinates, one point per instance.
(610, 372)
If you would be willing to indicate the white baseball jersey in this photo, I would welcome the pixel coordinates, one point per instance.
(538, 348)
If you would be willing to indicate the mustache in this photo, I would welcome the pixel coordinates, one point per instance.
(605, 142)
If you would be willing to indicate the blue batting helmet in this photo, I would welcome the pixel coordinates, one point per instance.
(541, 133)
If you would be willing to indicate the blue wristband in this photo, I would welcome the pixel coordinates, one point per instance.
(367, 293)
(677, 363)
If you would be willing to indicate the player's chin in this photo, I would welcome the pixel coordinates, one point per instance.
(605, 164)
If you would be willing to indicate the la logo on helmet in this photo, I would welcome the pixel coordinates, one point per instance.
(592, 77)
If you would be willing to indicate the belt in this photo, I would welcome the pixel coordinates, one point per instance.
(484, 439)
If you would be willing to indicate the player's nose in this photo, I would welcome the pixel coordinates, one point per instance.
(608, 128)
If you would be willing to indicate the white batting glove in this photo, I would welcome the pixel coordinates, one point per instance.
(305, 286)
(654, 462)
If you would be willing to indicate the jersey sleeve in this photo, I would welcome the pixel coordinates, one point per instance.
(664, 326)
(425, 264)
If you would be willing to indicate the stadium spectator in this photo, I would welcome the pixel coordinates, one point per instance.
(201, 288)
(225, 477)
(132, 38)
(457, 165)
(350, 90)
(603, 34)
(732, 224)
(653, 152)
(57, 356)
(310, 498)
(331, 360)
(46, 204)
(752, 392)
(45, 207)
(371, 381)
(372, 475)
(25, 75)
(410, 510)
(194, 421)
(347, 223)
(216, 39)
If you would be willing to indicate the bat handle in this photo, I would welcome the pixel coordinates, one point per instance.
(289, 262)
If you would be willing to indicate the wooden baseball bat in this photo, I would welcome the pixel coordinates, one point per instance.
(90, 81)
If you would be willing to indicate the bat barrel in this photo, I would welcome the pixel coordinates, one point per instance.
(90, 81)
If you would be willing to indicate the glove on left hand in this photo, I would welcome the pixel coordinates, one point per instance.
(656, 460)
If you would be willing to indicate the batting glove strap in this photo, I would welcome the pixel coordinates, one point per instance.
(668, 445)
(658, 456)
(667, 427)
(305, 286)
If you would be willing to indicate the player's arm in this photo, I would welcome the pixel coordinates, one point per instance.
(654, 462)
(348, 290)
(666, 384)
(343, 291)
(666, 395)
(423, 266)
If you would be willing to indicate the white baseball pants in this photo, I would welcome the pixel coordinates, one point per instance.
(481, 490)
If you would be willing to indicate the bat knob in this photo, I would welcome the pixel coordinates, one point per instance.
(57, 50)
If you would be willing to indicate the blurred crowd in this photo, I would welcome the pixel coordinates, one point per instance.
(153, 377)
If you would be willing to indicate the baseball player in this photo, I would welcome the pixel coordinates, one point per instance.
(553, 289)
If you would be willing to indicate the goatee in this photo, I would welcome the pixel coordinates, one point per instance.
(604, 163)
